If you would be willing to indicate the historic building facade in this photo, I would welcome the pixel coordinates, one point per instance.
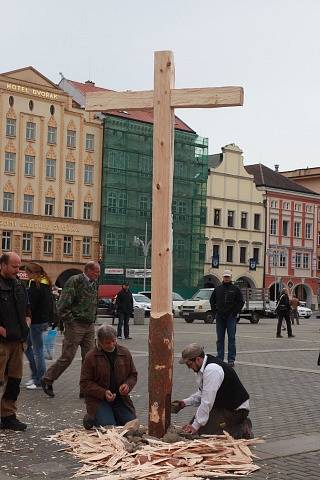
(291, 234)
(235, 229)
(50, 163)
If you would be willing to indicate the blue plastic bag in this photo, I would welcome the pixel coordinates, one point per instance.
(49, 343)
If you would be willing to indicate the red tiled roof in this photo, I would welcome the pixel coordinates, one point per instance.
(139, 115)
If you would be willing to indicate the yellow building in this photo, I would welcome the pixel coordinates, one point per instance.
(235, 229)
(50, 163)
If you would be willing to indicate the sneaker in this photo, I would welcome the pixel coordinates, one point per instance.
(12, 423)
(29, 382)
(128, 338)
(279, 336)
(88, 422)
(33, 386)
(291, 336)
(119, 337)
(47, 388)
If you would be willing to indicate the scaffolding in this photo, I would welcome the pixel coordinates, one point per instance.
(127, 200)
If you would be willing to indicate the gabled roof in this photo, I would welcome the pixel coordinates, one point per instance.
(31, 75)
(266, 177)
(139, 115)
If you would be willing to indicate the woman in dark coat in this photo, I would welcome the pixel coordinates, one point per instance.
(283, 312)
(107, 376)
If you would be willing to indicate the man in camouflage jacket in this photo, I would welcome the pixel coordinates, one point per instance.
(77, 309)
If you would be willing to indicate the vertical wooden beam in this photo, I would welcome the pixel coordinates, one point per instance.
(161, 321)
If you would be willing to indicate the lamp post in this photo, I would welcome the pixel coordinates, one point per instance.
(145, 248)
(275, 253)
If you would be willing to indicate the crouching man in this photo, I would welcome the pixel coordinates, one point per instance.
(222, 400)
(107, 376)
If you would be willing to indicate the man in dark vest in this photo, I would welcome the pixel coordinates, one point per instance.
(222, 400)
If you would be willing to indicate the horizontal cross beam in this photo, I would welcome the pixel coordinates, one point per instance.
(180, 98)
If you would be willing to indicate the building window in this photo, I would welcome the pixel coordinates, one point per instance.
(297, 229)
(67, 245)
(29, 165)
(256, 255)
(70, 171)
(229, 253)
(122, 203)
(274, 204)
(298, 260)
(111, 243)
(68, 208)
(52, 135)
(112, 202)
(217, 216)
(282, 260)
(48, 243)
(215, 250)
(308, 230)
(318, 263)
(9, 162)
(121, 243)
(50, 168)
(30, 131)
(11, 127)
(243, 254)
(286, 205)
(297, 207)
(28, 203)
(244, 220)
(71, 139)
(86, 246)
(180, 248)
(309, 208)
(230, 218)
(273, 226)
(6, 241)
(143, 205)
(285, 228)
(8, 202)
(89, 142)
(305, 260)
(49, 206)
(117, 161)
(179, 210)
(27, 242)
(87, 210)
(257, 219)
(318, 238)
(88, 174)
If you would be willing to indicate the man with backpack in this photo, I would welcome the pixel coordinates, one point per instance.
(77, 309)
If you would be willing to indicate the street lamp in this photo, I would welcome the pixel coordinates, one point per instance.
(275, 253)
(145, 248)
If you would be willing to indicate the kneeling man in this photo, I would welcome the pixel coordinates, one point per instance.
(222, 400)
(108, 375)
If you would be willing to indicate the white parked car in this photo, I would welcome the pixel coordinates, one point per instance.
(141, 301)
(177, 301)
(304, 311)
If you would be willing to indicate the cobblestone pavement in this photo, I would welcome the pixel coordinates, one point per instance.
(280, 374)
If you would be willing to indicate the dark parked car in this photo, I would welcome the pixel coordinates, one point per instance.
(106, 307)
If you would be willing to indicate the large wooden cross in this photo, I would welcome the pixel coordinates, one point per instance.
(163, 100)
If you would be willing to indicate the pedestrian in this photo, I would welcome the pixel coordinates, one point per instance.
(108, 375)
(221, 398)
(14, 326)
(294, 304)
(77, 308)
(283, 312)
(41, 305)
(226, 303)
(124, 306)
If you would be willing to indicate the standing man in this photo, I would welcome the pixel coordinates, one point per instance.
(294, 303)
(77, 308)
(222, 400)
(14, 327)
(124, 306)
(226, 302)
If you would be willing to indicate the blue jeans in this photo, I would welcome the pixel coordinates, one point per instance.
(123, 320)
(229, 324)
(35, 352)
(113, 413)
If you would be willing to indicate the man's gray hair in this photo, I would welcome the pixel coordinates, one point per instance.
(105, 332)
(91, 265)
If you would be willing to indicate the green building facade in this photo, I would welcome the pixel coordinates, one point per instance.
(127, 200)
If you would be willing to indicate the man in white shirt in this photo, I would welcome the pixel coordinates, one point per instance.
(222, 400)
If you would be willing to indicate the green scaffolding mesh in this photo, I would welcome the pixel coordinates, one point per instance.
(127, 201)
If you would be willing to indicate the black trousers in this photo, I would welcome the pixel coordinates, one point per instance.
(284, 316)
(123, 320)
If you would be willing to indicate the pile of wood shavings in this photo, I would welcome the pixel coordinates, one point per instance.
(108, 452)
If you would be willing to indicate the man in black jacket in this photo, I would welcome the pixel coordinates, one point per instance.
(226, 302)
(124, 306)
(222, 400)
(14, 326)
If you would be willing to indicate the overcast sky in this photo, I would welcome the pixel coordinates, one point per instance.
(271, 48)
